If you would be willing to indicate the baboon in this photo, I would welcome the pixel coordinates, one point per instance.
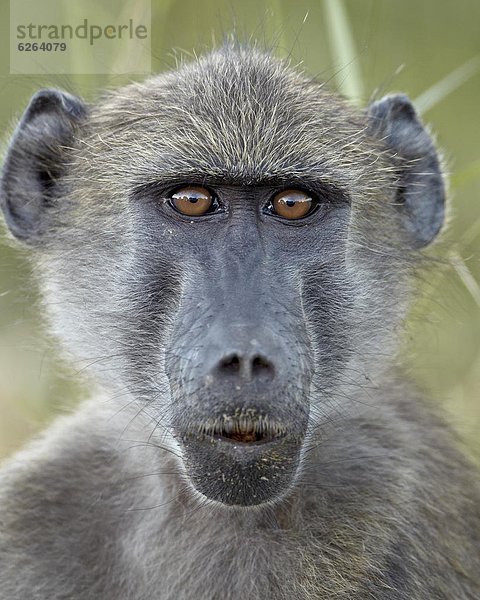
(229, 250)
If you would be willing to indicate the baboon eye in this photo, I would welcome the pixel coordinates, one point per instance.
(192, 200)
(291, 204)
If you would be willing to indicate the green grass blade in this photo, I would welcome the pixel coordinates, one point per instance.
(132, 54)
(466, 276)
(343, 50)
(440, 90)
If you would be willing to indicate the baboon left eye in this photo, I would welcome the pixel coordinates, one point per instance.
(291, 204)
(193, 201)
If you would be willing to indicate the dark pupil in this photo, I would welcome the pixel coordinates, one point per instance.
(290, 202)
(192, 199)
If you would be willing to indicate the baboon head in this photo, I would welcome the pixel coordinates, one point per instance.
(229, 246)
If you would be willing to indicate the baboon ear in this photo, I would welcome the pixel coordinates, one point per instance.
(421, 191)
(35, 160)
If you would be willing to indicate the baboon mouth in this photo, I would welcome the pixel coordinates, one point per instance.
(239, 430)
(245, 436)
(244, 458)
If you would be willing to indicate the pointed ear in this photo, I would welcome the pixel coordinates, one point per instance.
(35, 161)
(421, 191)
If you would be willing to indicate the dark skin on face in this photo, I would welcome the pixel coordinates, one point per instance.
(239, 340)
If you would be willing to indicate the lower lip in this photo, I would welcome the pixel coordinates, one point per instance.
(236, 442)
(242, 452)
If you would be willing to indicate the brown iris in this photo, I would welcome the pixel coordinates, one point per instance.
(192, 200)
(292, 204)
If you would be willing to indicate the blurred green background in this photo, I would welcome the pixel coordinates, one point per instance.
(428, 49)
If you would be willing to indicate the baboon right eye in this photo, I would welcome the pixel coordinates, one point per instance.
(193, 201)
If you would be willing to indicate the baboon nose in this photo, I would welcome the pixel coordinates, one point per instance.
(253, 367)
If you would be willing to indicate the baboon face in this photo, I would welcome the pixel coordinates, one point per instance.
(228, 245)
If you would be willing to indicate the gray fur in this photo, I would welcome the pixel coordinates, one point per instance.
(374, 500)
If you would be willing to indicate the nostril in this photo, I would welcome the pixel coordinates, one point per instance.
(261, 365)
(230, 363)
